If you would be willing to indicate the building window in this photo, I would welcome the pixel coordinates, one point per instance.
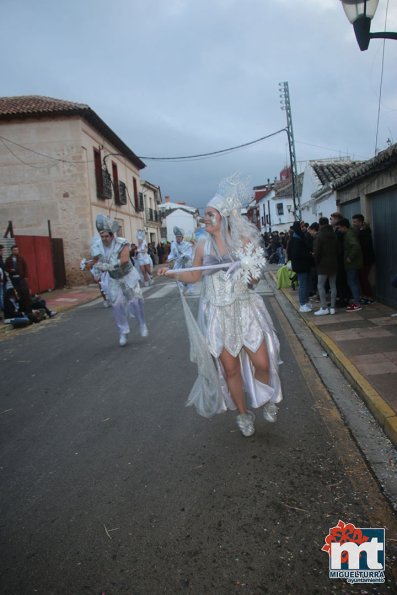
(122, 193)
(136, 205)
(280, 208)
(116, 183)
(98, 172)
(120, 231)
(102, 178)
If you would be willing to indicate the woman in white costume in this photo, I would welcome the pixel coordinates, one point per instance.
(119, 279)
(144, 261)
(233, 319)
(181, 255)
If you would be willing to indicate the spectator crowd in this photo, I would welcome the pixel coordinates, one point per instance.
(332, 260)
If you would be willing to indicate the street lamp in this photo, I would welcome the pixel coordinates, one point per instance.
(360, 14)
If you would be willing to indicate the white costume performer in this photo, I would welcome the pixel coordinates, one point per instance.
(181, 255)
(119, 281)
(232, 319)
(143, 258)
(233, 316)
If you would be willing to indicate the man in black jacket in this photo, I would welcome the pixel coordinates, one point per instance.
(301, 260)
(326, 259)
(365, 238)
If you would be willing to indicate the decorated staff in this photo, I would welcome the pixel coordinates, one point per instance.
(234, 328)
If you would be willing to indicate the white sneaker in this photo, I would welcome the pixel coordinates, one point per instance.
(144, 330)
(123, 339)
(106, 304)
(332, 310)
(305, 308)
(321, 312)
(270, 411)
(245, 422)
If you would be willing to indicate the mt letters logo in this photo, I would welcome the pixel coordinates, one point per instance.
(357, 555)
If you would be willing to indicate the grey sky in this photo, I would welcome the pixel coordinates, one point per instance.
(180, 77)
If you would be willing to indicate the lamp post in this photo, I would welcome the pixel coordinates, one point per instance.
(360, 13)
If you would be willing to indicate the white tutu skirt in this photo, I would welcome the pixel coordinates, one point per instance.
(243, 323)
(144, 259)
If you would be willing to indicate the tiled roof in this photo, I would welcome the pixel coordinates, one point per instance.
(33, 105)
(262, 193)
(382, 161)
(36, 106)
(285, 188)
(328, 172)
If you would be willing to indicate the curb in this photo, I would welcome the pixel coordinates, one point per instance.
(381, 410)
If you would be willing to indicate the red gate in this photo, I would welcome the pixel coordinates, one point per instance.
(37, 252)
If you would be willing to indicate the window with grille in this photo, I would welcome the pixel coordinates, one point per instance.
(122, 193)
(136, 203)
(102, 178)
(116, 183)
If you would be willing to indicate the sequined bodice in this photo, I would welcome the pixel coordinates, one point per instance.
(219, 288)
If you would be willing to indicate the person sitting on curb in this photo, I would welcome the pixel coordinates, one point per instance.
(13, 313)
(38, 303)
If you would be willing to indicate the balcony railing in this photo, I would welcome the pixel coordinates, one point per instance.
(152, 215)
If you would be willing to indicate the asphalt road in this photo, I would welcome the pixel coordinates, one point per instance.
(109, 484)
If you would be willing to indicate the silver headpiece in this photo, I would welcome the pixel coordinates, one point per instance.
(105, 223)
(140, 234)
(178, 231)
(231, 193)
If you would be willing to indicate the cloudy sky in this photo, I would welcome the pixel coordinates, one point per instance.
(185, 77)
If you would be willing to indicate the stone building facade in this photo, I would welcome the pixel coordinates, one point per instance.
(61, 165)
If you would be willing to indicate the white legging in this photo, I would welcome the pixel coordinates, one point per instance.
(321, 280)
(122, 309)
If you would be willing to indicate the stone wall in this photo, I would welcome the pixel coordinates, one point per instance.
(48, 182)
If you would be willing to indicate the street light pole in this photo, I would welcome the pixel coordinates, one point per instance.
(360, 13)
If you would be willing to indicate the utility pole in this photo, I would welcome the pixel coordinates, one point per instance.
(286, 106)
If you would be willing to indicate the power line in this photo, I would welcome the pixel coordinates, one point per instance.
(19, 159)
(185, 158)
(212, 153)
(3, 138)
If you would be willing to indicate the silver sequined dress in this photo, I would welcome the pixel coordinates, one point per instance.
(231, 317)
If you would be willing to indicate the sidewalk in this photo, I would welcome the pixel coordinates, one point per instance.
(60, 300)
(364, 346)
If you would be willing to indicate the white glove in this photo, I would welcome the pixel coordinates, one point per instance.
(83, 264)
